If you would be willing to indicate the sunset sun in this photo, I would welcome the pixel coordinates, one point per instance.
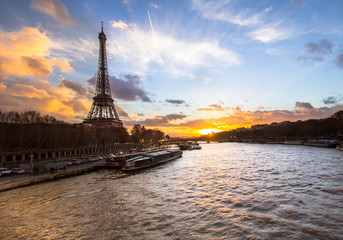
(208, 131)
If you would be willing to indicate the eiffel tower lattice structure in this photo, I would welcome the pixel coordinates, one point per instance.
(103, 111)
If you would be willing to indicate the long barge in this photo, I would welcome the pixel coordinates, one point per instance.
(151, 159)
(322, 143)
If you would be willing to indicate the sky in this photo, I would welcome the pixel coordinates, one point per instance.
(181, 66)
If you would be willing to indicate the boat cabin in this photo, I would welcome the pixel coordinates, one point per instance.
(139, 162)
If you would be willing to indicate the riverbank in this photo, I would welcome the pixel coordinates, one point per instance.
(15, 181)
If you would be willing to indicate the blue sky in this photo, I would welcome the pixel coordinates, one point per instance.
(180, 66)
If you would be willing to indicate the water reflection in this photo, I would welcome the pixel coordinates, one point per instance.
(224, 191)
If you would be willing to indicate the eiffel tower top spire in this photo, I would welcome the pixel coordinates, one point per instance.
(103, 85)
(103, 110)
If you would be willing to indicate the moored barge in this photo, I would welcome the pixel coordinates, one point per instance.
(322, 143)
(120, 160)
(151, 159)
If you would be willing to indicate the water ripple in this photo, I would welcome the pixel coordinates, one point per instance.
(224, 191)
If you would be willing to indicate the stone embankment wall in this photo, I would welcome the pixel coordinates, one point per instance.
(14, 159)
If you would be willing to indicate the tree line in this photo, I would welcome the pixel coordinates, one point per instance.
(329, 128)
(26, 117)
(141, 134)
(39, 136)
(31, 131)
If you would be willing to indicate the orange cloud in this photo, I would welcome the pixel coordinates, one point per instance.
(167, 125)
(26, 53)
(63, 65)
(213, 107)
(23, 94)
(54, 9)
(238, 118)
(28, 91)
(27, 42)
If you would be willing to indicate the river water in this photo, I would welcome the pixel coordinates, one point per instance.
(224, 191)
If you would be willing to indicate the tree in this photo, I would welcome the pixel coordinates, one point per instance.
(159, 135)
(136, 133)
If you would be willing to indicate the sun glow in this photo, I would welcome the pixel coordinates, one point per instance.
(208, 131)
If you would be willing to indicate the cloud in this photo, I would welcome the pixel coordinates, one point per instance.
(303, 105)
(222, 10)
(28, 91)
(315, 52)
(74, 85)
(175, 116)
(339, 60)
(181, 57)
(239, 118)
(62, 64)
(248, 118)
(78, 106)
(68, 101)
(156, 121)
(154, 5)
(199, 124)
(23, 94)
(323, 48)
(270, 33)
(54, 9)
(213, 107)
(121, 112)
(127, 88)
(36, 66)
(152, 121)
(26, 53)
(79, 49)
(331, 100)
(121, 25)
(235, 119)
(175, 101)
(92, 82)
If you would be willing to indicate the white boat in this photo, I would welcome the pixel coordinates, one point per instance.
(151, 159)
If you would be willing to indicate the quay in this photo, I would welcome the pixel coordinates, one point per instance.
(37, 163)
(15, 181)
(14, 159)
(60, 170)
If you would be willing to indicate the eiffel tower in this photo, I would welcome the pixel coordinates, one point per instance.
(103, 111)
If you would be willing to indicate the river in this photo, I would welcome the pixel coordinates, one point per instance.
(224, 191)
